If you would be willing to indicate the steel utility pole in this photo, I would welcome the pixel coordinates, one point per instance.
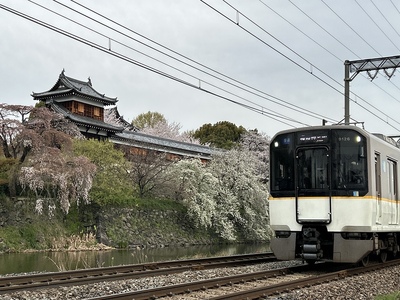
(371, 66)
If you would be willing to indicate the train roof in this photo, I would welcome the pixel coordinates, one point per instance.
(389, 139)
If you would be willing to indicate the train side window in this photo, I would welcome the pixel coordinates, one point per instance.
(349, 165)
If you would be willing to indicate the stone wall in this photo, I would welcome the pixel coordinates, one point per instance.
(123, 227)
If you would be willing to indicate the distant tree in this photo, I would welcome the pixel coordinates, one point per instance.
(153, 123)
(147, 169)
(224, 135)
(149, 119)
(6, 167)
(111, 184)
(12, 118)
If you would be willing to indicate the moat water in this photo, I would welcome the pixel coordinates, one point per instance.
(62, 261)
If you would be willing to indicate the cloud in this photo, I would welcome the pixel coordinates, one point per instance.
(273, 56)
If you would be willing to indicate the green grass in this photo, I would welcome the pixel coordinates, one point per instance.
(393, 296)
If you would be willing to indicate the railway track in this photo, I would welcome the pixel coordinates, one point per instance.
(87, 276)
(254, 285)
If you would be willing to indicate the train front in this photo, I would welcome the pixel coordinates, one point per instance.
(318, 179)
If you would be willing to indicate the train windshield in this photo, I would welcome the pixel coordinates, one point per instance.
(282, 165)
(312, 169)
(319, 162)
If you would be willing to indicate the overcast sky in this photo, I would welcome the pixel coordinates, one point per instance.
(281, 54)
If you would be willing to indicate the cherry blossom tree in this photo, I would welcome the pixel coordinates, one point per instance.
(227, 194)
(12, 119)
(20, 134)
(40, 143)
(194, 186)
(241, 195)
(257, 143)
(51, 174)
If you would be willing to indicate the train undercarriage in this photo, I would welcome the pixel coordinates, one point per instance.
(315, 243)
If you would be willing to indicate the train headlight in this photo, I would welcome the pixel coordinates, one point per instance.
(276, 144)
(358, 138)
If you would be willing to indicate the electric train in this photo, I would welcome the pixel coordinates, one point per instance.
(334, 194)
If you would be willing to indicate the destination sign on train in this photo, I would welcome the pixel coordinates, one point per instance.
(312, 138)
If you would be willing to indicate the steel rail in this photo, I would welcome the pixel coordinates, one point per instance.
(302, 283)
(86, 276)
(205, 284)
(256, 293)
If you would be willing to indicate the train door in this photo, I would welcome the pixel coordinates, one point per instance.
(392, 188)
(313, 201)
(378, 188)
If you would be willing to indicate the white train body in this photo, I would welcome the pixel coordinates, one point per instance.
(334, 194)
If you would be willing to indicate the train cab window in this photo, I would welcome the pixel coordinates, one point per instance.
(349, 161)
(282, 165)
(312, 169)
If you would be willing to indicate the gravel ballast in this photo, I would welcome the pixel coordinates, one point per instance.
(366, 286)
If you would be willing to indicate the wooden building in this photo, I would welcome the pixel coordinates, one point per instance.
(79, 102)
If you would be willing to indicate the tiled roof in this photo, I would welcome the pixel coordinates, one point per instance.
(162, 143)
(66, 85)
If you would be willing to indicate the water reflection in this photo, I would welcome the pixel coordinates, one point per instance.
(61, 261)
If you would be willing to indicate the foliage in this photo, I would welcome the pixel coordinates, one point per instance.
(153, 123)
(159, 204)
(31, 135)
(149, 119)
(6, 166)
(111, 183)
(223, 135)
(36, 235)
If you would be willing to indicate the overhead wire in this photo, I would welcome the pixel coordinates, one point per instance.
(262, 108)
(236, 22)
(248, 107)
(243, 86)
(384, 17)
(351, 28)
(391, 1)
(320, 26)
(377, 25)
(137, 63)
(325, 48)
(336, 39)
(270, 46)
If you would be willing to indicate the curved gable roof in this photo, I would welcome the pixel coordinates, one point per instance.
(65, 85)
